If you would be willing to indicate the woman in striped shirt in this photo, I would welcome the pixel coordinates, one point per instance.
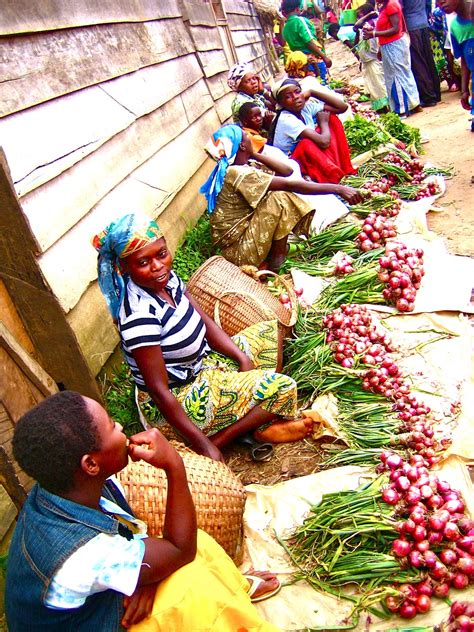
(209, 387)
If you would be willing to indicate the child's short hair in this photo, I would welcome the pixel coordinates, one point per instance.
(365, 8)
(245, 109)
(287, 6)
(333, 30)
(50, 440)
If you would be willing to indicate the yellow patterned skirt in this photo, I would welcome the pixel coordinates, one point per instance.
(221, 395)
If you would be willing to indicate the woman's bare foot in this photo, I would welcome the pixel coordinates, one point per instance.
(285, 431)
(269, 584)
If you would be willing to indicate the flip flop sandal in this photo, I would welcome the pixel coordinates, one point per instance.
(259, 451)
(255, 583)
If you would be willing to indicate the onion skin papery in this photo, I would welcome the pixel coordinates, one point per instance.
(423, 527)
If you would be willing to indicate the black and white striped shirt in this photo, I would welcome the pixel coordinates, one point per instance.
(146, 320)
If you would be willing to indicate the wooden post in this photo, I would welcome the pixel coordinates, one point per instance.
(54, 341)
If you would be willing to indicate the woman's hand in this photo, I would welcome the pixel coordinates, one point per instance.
(367, 32)
(246, 364)
(352, 196)
(465, 100)
(139, 606)
(151, 446)
(323, 117)
(327, 61)
(207, 448)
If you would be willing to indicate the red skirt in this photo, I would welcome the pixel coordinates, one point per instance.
(325, 165)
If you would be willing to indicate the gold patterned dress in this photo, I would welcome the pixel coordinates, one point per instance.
(248, 217)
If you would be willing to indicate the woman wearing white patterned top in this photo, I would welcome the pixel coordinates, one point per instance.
(210, 400)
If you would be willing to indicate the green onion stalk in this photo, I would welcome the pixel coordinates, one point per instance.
(378, 202)
(361, 286)
(345, 542)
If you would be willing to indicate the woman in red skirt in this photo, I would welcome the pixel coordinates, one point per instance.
(309, 130)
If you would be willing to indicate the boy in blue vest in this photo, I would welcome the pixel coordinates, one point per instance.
(80, 561)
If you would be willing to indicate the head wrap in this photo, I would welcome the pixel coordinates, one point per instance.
(237, 73)
(119, 240)
(295, 62)
(281, 85)
(222, 147)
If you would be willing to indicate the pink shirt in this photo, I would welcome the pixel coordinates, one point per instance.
(383, 23)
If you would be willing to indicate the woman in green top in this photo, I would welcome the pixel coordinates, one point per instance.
(300, 33)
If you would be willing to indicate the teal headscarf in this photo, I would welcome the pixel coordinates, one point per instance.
(119, 240)
(222, 147)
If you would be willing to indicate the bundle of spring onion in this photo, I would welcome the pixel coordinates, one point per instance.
(409, 135)
(403, 537)
(344, 353)
(319, 249)
(362, 286)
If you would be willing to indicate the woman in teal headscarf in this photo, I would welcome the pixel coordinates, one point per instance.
(253, 205)
(209, 387)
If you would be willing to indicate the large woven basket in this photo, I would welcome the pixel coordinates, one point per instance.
(235, 300)
(219, 497)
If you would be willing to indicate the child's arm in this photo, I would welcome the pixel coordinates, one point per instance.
(333, 102)
(465, 79)
(280, 168)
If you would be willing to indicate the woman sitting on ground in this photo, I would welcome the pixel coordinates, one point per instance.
(208, 387)
(253, 210)
(79, 559)
(249, 87)
(309, 131)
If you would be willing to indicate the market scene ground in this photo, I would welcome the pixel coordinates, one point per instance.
(328, 445)
(447, 128)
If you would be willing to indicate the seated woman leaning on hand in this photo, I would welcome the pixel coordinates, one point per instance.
(80, 561)
(168, 342)
(310, 132)
(254, 207)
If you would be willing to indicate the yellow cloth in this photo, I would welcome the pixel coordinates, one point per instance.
(209, 594)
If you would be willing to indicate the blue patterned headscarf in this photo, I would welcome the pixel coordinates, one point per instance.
(119, 240)
(222, 147)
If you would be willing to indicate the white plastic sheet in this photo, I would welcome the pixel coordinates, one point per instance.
(280, 508)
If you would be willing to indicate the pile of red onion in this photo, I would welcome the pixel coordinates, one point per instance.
(344, 266)
(461, 616)
(436, 536)
(413, 167)
(375, 232)
(377, 186)
(366, 112)
(401, 269)
(352, 333)
(427, 190)
(355, 341)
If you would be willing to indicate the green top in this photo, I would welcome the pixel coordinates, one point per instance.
(462, 30)
(298, 31)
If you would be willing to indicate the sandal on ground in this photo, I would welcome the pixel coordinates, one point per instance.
(259, 451)
(255, 583)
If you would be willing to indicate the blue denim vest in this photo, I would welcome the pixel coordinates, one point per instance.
(48, 531)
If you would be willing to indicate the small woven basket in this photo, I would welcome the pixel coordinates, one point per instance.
(236, 300)
(219, 497)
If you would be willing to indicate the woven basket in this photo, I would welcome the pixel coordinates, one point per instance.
(219, 498)
(236, 301)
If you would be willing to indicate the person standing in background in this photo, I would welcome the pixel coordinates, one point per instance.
(395, 50)
(462, 40)
(421, 54)
(300, 34)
